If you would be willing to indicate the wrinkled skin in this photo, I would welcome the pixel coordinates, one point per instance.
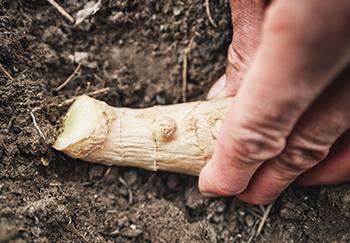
(289, 70)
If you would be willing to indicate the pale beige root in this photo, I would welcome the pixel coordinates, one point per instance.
(178, 138)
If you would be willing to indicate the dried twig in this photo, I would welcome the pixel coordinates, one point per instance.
(7, 74)
(70, 78)
(263, 219)
(207, 7)
(121, 180)
(4, 146)
(184, 70)
(100, 91)
(254, 213)
(98, 78)
(77, 90)
(107, 172)
(88, 87)
(266, 212)
(89, 9)
(35, 123)
(62, 11)
(9, 125)
(251, 237)
(96, 92)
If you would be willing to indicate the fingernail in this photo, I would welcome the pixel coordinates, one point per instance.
(218, 89)
(209, 194)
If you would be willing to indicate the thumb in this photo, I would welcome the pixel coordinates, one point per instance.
(247, 16)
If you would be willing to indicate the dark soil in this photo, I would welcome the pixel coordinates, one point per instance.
(135, 48)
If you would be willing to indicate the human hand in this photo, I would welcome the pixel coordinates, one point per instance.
(289, 69)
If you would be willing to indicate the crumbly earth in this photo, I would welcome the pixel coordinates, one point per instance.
(136, 49)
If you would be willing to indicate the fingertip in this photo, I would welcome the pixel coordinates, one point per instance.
(303, 181)
(208, 194)
(214, 182)
(218, 89)
(207, 181)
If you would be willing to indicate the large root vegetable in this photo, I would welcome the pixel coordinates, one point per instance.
(177, 138)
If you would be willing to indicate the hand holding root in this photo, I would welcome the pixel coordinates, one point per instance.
(289, 69)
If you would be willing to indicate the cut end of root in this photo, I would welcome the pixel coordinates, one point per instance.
(79, 123)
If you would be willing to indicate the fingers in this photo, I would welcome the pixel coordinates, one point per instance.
(247, 16)
(335, 169)
(308, 144)
(288, 72)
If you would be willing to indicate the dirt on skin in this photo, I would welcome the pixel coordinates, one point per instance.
(135, 48)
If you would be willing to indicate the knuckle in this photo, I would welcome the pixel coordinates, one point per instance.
(236, 58)
(254, 144)
(303, 153)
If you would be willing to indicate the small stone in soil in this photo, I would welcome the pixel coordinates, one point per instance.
(217, 219)
(172, 182)
(122, 221)
(221, 206)
(123, 191)
(96, 172)
(130, 177)
(194, 199)
(132, 231)
(249, 220)
(177, 11)
(111, 175)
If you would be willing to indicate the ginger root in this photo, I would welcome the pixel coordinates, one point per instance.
(178, 138)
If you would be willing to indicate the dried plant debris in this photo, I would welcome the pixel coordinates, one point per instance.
(90, 9)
